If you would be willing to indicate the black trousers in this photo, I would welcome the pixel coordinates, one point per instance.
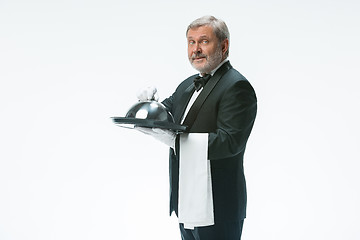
(219, 231)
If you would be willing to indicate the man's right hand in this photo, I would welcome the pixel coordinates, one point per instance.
(148, 94)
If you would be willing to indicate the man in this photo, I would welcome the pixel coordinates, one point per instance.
(207, 183)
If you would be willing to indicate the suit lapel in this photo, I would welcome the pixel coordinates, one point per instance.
(192, 114)
(188, 92)
(184, 100)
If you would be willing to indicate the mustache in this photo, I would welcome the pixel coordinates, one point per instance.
(198, 55)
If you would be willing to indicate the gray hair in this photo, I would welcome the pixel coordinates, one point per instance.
(219, 27)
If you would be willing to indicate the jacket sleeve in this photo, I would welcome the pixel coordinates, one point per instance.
(168, 103)
(235, 119)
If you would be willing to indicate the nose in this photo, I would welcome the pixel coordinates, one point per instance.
(196, 48)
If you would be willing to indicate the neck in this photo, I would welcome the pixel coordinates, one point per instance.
(214, 70)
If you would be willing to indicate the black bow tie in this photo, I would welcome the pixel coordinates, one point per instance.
(200, 82)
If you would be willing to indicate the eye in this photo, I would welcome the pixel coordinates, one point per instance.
(191, 42)
(205, 41)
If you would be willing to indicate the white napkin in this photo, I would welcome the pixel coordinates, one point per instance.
(195, 190)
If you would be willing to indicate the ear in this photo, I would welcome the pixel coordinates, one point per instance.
(225, 46)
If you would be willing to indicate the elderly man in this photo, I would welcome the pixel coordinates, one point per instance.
(207, 183)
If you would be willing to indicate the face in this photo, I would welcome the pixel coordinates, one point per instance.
(205, 52)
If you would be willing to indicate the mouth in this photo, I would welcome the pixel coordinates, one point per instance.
(198, 58)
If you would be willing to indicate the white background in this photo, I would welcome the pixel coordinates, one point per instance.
(67, 172)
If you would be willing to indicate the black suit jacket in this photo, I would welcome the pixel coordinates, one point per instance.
(228, 115)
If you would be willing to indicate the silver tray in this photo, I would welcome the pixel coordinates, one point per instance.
(128, 122)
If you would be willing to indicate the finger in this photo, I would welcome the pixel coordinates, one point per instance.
(145, 130)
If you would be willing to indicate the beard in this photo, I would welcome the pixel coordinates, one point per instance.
(212, 61)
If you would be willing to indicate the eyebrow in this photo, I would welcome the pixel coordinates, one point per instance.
(201, 37)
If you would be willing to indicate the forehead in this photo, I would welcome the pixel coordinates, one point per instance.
(203, 31)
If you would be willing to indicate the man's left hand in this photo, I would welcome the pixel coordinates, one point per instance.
(163, 135)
